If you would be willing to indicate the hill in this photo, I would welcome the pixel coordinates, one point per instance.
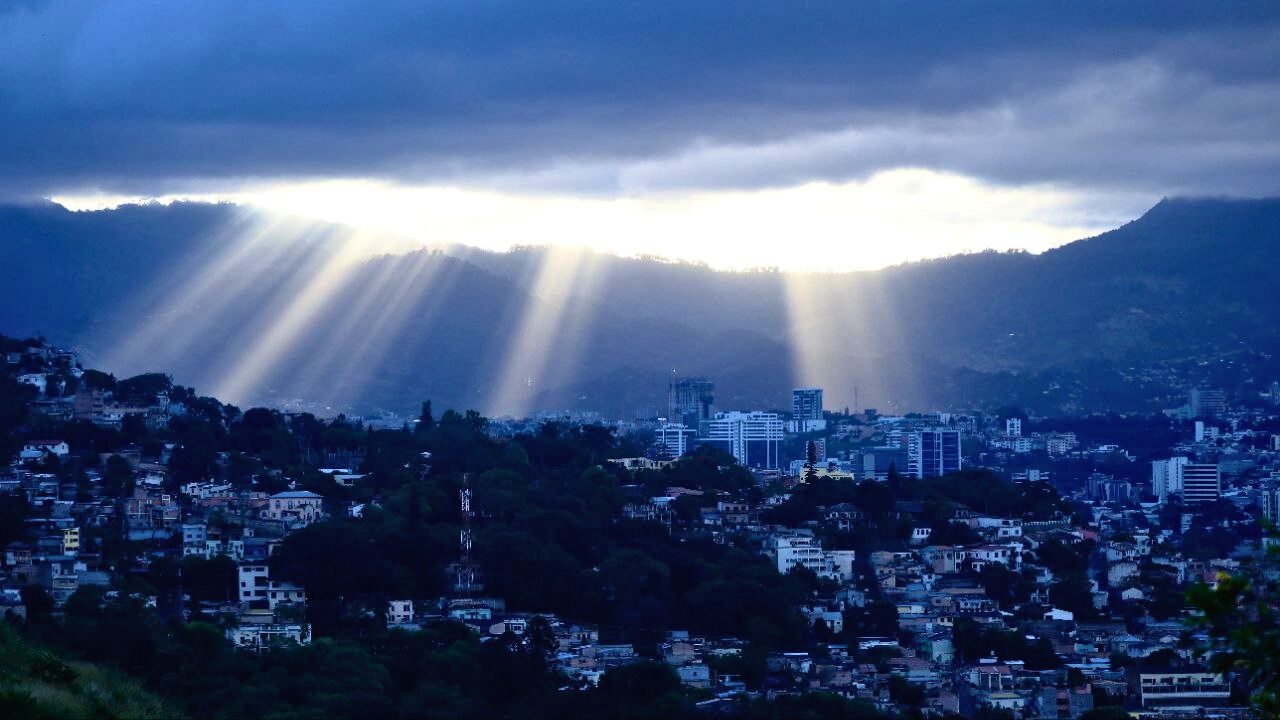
(257, 312)
(37, 683)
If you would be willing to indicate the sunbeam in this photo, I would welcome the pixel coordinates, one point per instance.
(844, 338)
(545, 342)
(421, 281)
(201, 289)
(283, 329)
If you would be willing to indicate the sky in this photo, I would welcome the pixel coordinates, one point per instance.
(801, 135)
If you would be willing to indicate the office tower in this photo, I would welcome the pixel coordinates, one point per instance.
(1271, 502)
(692, 401)
(751, 437)
(672, 439)
(877, 462)
(933, 453)
(1013, 427)
(1105, 488)
(819, 449)
(806, 403)
(806, 411)
(1166, 477)
(1201, 482)
(1204, 403)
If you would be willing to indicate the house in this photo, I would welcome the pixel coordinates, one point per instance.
(343, 476)
(1065, 703)
(999, 554)
(695, 675)
(991, 677)
(57, 448)
(298, 508)
(799, 548)
(70, 540)
(39, 381)
(258, 637)
(1182, 688)
(399, 612)
(257, 587)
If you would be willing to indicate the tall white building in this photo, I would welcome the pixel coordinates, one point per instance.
(674, 437)
(751, 437)
(1166, 477)
(1271, 503)
(1013, 427)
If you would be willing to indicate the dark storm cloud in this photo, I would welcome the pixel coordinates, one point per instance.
(162, 96)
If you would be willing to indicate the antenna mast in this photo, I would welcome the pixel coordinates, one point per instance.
(466, 574)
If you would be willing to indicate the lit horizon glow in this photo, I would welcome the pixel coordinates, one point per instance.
(889, 218)
(815, 227)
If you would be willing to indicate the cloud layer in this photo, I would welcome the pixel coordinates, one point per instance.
(638, 97)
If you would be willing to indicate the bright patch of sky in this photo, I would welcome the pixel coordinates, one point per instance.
(892, 217)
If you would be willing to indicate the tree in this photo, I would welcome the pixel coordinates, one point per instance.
(999, 583)
(426, 420)
(540, 640)
(811, 461)
(39, 603)
(639, 684)
(1072, 592)
(905, 693)
(117, 477)
(1241, 617)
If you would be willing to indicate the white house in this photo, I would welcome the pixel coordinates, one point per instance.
(36, 380)
(257, 637)
(399, 612)
(58, 448)
(794, 548)
(256, 585)
(299, 508)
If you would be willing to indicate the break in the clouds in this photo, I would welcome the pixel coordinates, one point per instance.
(621, 98)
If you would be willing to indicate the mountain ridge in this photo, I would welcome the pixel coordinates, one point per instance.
(1185, 283)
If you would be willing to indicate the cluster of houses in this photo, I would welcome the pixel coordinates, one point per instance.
(1120, 654)
(1136, 517)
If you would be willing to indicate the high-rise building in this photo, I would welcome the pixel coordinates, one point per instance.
(1013, 427)
(933, 453)
(877, 462)
(1201, 482)
(1106, 488)
(1204, 403)
(692, 400)
(1166, 477)
(806, 403)
(806, 411)
(1271, 502)
(672, 439)
(751, 437)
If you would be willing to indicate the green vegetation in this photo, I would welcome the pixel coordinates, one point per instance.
(42, 685)
(1243, 623)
